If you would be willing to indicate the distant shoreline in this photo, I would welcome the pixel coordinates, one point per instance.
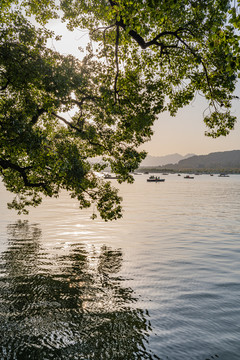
(151, 169)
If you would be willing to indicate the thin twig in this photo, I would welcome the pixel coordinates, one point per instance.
(202, 63)
(117, 64)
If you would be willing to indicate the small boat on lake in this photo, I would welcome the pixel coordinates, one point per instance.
(153, 178)
(110, 176)
(188, 177)
(223, 175)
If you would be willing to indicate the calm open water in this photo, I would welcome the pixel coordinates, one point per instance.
(161, 283)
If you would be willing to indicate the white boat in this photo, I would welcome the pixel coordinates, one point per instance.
(153, 178)
(110, 176)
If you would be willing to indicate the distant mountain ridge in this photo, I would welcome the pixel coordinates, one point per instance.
(225, 160)
(216, 161)
(163, 160)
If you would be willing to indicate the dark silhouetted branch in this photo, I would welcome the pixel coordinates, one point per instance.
(6, 164)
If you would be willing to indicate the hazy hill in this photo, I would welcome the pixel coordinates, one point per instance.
(163, 160)
(218, 160)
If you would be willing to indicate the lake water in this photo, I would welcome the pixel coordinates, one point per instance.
(161, 283)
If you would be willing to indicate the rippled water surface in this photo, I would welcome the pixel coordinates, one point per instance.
(161, 283)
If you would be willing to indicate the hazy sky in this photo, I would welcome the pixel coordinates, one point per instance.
(184, 133)
(181, 134)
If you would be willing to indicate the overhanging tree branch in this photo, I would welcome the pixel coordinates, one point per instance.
(6, 164)
(155, 41)
(143, 44)
(68, 123)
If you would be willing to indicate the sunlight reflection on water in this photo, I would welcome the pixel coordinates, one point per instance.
(73, 288)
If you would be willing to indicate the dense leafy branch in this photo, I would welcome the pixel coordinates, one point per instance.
(162, 35)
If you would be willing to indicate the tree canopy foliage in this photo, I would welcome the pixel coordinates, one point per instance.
(149, 56)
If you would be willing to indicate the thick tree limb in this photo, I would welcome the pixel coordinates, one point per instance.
(143, 44)
(5, 86)
(6, 164)
(38, 114)
(68, 123)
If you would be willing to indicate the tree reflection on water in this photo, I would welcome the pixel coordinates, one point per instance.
(71, 306)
